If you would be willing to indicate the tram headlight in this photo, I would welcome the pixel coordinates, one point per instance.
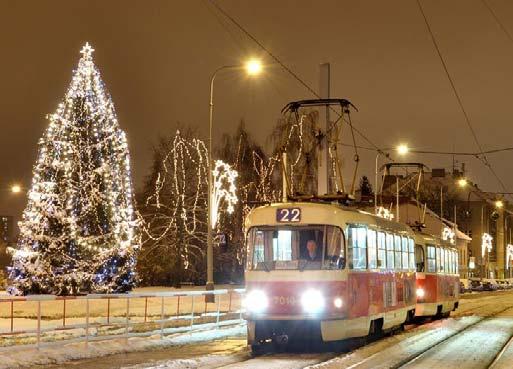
(256, 301)
(337, 302)
(420, 293)
(312, 301)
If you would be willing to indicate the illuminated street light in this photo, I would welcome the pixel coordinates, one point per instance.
(253, 67)
(462, 182)
(402, 149)
(499, 204)
(15, 188)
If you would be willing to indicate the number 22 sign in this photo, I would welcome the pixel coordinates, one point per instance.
(288, 215)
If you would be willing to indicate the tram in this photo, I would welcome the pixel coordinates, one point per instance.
(321, 272)
(437, 276)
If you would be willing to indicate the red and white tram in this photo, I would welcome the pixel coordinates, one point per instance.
(325, 272)
(437, 276)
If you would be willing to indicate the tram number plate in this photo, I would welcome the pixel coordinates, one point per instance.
(288, 215)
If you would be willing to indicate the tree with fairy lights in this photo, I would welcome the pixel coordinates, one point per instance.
(78, 231)
(174, 208)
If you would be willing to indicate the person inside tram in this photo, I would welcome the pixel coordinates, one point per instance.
(313, 253)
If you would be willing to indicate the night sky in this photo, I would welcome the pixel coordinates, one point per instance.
(156, 58)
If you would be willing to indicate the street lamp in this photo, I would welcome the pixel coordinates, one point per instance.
(499, 204)
(253, 67)
(403, 149)
(462, 182)
(15, 188)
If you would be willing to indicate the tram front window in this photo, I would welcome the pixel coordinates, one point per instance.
(308, 247)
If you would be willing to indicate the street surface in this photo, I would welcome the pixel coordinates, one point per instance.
(478, 335)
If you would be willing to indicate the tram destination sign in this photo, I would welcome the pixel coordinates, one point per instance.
(288, 215)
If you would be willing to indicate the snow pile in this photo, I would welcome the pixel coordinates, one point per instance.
(58, 354)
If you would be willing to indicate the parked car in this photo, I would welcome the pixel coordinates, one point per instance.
(489, 286)
(502, 285)
(463, 288)
(476, 286)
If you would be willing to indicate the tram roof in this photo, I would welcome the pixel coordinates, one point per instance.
(352, 215)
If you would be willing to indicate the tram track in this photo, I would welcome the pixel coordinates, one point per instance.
(410, 361)
(397, 352)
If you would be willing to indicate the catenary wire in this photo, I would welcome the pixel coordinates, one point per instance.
(482, 155)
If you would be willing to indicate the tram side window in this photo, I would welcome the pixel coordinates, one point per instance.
(390, 251)
(431, 259)
(411, 250)
(451, 262)
(419, 258)
(357, 247)
(446, 262)
(382, 252)
(372, 249)
(439, 266)
(334, 257)
(404, 243)
(397, 258)
(457, 263)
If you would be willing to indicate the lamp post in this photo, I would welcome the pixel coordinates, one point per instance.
(252, 67)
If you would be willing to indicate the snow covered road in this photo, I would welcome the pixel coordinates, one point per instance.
(472, 338)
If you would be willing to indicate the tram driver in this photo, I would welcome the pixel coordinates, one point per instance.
(312, 251)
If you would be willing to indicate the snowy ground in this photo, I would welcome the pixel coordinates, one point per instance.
(471, 338)
(109, 317)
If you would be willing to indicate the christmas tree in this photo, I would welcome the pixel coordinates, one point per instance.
(78, 231)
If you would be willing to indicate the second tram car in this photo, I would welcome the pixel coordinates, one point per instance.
(325, 272)
(437, 276)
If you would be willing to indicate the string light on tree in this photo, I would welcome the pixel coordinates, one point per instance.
(78, 232)
(509, 255)
(486, 243)
(448, 235)
(223, 191)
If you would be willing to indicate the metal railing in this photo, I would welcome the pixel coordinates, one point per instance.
(42, 320)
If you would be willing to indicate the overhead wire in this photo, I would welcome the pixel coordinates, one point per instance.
(482, 155)
(287, 68)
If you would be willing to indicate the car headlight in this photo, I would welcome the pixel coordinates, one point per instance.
(420, 292)
(256, 301)
(312, 301)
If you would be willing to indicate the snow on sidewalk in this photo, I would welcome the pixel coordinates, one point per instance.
(20, 358)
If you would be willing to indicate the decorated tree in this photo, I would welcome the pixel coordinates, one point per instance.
(173, 206)
(78, 231)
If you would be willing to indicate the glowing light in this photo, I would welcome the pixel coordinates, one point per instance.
(420, 293)
(509, 255)
(312, 301)
(486, 243)
(337, 302)
(256, 301)
(499, 204)
(253, 67)
(403, 149)
(223, 190)
(462, 182)
(80, 202)
(15, 188)
(384, 213)
(448, 235)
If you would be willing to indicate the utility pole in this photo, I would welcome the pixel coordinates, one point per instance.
(324, 121)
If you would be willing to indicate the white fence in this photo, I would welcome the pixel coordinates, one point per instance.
(40, 320)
